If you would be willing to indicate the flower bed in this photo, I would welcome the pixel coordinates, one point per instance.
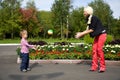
(70, 51)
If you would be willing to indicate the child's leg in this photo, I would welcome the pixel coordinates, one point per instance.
(101, 41)
(24, 61)
(94, 55)
(27, 64)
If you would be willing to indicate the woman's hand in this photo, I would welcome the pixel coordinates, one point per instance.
(81, 34)
(78, 35)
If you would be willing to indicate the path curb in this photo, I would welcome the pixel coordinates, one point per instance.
(69, 61)
(10, 44)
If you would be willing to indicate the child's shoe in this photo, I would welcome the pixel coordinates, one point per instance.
(24, 70)
(28, 69)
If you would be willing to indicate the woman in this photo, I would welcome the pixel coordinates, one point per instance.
(98, 32)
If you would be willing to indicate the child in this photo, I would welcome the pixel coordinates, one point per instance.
(96, 30)
(25, 52)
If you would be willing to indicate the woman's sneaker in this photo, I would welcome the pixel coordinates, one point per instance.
(101, 71)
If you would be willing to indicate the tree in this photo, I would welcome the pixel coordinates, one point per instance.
(77, 21)
(45, 22)
(103, 11)
(29, 19)
(9, 9)
(31, 4)
(116, 28)
(60, 12)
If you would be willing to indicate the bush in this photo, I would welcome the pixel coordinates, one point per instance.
(41, 43)
(117, 41)
(112, 57)
(62, 43)
(88, 39)
(109, 39)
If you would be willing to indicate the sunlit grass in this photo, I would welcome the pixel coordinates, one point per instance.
(50, 40)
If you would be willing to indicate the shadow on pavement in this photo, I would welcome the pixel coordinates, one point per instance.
(34, 65)
(36, 77)
(85, 63)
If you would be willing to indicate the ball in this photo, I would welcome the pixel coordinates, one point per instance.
(50, 31)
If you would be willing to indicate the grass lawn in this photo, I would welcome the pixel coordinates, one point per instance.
(6, 41)
(50, 40)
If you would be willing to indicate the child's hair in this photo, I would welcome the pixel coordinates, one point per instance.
(23, 32)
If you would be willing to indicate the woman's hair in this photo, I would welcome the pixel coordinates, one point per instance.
(89, 10)
(23, 32)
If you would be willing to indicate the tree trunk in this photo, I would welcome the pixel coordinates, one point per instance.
(12, 35)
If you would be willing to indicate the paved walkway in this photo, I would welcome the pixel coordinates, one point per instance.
(9, 69)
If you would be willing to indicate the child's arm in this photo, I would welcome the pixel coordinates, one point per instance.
(28, 45)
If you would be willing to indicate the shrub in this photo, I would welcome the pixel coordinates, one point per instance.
(41, 43)
(117, 41)
(88, 39)
(112, 57)
(109, 39)
(62, 43)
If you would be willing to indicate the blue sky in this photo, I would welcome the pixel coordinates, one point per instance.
(47, 4)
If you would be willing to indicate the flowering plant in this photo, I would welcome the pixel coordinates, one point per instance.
(82, 51)
(114, 49)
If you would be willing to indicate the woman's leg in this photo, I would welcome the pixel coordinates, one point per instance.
(94, 55)
(101, 41)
